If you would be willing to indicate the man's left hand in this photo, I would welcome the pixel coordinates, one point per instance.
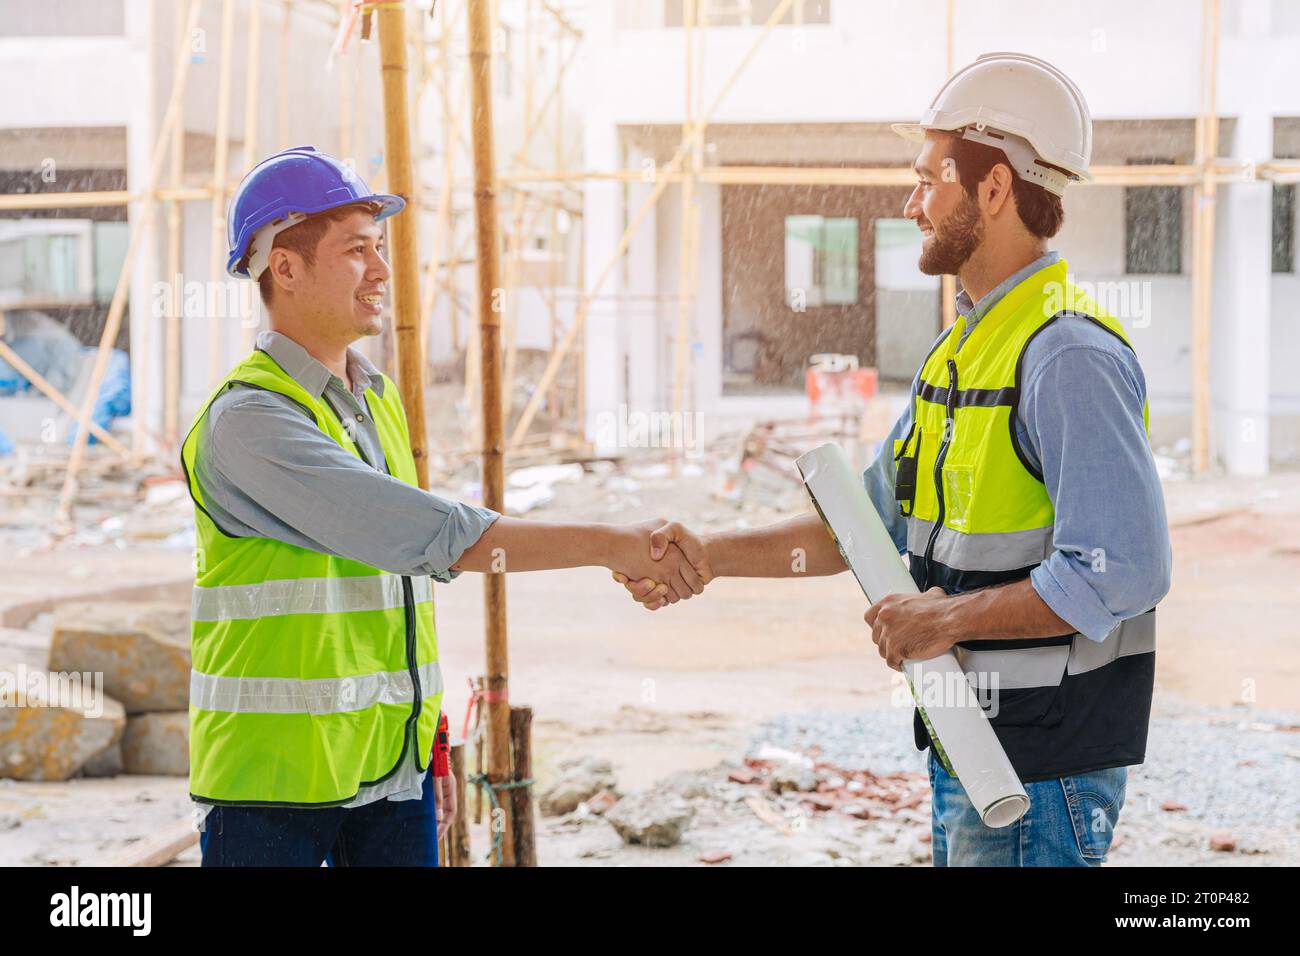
(913, 627)
(446, 795)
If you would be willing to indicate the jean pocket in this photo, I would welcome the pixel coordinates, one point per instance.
(1094, 801)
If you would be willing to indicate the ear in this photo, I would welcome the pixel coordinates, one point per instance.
(286, 268)
(995, 190)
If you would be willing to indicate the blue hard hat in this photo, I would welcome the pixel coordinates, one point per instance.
(297, 180)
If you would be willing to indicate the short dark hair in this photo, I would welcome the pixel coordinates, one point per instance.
(305, 237)
(1039, 210)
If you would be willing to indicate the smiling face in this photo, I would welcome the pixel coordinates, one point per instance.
(349, 277)
(337, 290)
(949, 218)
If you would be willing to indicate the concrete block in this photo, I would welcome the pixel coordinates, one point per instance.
(142, 649)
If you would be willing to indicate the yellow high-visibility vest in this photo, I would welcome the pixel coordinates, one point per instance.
(311, 673)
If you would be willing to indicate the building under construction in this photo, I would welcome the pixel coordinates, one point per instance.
(685, 213)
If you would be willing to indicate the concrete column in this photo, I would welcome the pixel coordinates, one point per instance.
(141, 131)
(603, 220)
(707, 347)
(1240, 356)
(642, 331)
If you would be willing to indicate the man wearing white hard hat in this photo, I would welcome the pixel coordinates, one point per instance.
(1018, 480)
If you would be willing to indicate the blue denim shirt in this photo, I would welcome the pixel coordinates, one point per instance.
(1080, 423)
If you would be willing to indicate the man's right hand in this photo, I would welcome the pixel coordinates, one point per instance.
(653, 596)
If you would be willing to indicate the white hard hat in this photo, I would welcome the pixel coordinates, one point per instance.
(1021, 105)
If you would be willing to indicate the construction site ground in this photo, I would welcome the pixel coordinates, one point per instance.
(676, 700)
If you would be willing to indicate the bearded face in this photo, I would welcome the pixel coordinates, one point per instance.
(953, 240)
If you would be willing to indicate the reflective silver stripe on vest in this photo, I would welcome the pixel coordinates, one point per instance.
(1003, 551)
(283, 695)
(1048, 666)
(367, 592)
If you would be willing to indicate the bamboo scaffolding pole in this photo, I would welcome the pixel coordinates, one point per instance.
(172, 321)
(562, 20)
(250, 302)
(663, 178)
(948, 283)
(403, 231)
(494, 585)
(1280, 171)
(1223, 171)
(1204, 197)
(220, 170)
(43, 385)
(118, 304)
(112, 197)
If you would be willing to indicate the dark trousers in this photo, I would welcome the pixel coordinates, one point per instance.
(383, 833)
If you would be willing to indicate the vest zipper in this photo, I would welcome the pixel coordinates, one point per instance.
(408, 598)
(950, 407)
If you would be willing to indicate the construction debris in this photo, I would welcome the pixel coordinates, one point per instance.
(142, 649)
(51, 726)
(157, 744)
(651, 818)
(579, 780)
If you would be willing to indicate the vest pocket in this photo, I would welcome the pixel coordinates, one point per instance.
(958, 490)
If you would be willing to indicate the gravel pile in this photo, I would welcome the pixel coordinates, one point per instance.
(1229, 773)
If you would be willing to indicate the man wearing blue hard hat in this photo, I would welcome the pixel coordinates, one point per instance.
(316, 692)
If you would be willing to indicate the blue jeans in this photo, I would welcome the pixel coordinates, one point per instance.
(1070, 822)
(383, 833)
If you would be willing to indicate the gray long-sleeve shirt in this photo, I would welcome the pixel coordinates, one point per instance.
(266, 470)
(1080, 422)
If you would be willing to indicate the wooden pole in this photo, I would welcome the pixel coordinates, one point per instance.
(250, 302)
(948, 283)
(220, 169)
(113, 323)
(521, 734)
(485, 216)
(1204, 197)
(458, 851)
(403, 231)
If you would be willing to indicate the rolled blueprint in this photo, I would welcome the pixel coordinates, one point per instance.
(960, 731)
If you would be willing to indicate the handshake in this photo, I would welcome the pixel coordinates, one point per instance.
(662, 563)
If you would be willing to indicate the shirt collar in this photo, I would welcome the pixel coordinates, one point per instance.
(310, 373)
(974, 311)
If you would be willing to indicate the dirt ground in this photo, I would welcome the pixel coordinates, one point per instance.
(684, 689)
